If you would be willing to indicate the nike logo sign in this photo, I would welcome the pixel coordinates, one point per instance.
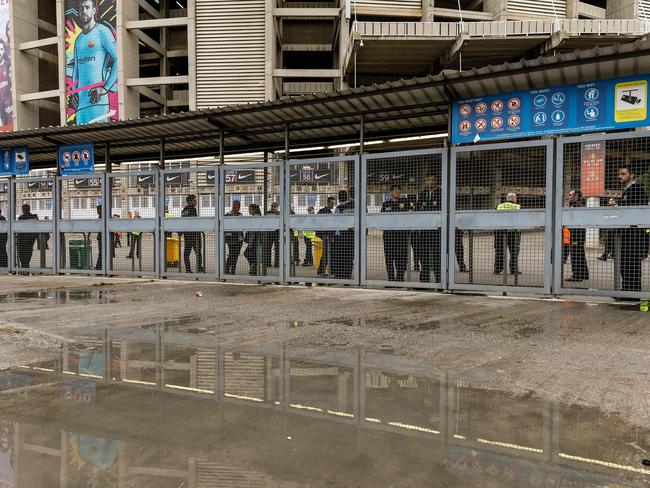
(172, 178)
(79, 182)
(142, 179)
(397, 177)
(245, 175)
(319, 177)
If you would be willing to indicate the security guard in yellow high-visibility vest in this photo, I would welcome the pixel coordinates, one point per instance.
(308, 235)
(136, 240)
(510, 238)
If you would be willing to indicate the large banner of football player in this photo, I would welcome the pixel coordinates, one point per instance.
(6, 98)
(91, 61)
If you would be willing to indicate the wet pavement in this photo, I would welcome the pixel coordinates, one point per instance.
(154, 407)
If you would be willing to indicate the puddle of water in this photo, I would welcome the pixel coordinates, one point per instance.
(145, 409)
(59, 296)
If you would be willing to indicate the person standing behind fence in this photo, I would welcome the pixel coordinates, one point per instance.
(633, 240)
(255, 243)
(4, 258)
(25, 240)
(136, 240)
(273, 241)
(577, 240)
(307, 236)
(129, 236)
(510, 238)
(609, 236)
(343, 247)
(430, 200)
(234, 241)
(326, 236)
(396, 242)
(192, 239)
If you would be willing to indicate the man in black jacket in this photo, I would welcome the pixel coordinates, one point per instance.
(25, 240)
(633, 240)
(576, 246)
(396, 242)
(192, 239)
(430, 200)
(234, 240)
(326, 236)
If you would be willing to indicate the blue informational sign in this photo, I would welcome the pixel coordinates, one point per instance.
(14, 161)
(569, 109)
(77, 159)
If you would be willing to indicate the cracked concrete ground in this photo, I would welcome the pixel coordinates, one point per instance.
(589, 352)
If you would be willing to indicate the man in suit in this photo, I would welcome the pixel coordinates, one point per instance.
(430, 200)
(396, 242)
(343, 247)
(633, 240)
(25, 240)
(576, 246)
(4, 259)
(234, 241)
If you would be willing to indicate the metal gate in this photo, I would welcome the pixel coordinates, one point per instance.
(405, 195)
(80, 224)
(189, 223)
(132, 223)
(323, 220)
(252, 247)
(6, 237)
(601, 234)
(508, 248)
(33, 225)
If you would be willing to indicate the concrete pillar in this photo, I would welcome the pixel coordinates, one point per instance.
(271, 51)
(622, 9)
(128, 60)
(572, 9)
(498, 8)
(191, 51)
(24, 20)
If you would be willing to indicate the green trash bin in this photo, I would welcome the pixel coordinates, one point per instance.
(80, 252)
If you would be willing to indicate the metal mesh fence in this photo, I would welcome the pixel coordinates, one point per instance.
(34, 199)
(403, 400)
(408, 185)
(133, 196)
(4, 222)
(508, 257)
(256, 190)
(33, 250)
(252, 252)
(190, 252)
(312, 183)
(178, 187)
(134, 362)
(597, 175)
(320, 387)
(322, 253)
(133, 251)
(81, 251)
(251, 377)
(80, 198)
(507, 180)
(190, 369)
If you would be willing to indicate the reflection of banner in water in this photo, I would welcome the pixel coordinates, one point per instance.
(7, 454)
(91, 61)
(92, 460)
(6, 82)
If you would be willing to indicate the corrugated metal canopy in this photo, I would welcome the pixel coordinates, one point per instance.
(401, 108)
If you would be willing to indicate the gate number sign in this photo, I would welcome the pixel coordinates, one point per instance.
(567, 109)
(77, 159)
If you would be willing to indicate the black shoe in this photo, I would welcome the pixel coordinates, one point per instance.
(498, 272)
(463, 269)
(515, 272)
(604, 257)
(574, 279)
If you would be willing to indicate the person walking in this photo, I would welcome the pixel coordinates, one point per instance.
(429, 199)
(98, 265)
(326, 236)
(610, 236)
(234, 241)
(633, 240)
(25, 240)
(577, 240)
(507, 238)
(136, 240)
(192, 239)
(307, 236)
(396, 242)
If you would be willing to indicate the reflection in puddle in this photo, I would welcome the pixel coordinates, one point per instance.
(58, 296)
(146, 408)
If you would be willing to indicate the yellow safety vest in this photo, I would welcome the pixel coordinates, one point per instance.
(508, 206)
(309, 234)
